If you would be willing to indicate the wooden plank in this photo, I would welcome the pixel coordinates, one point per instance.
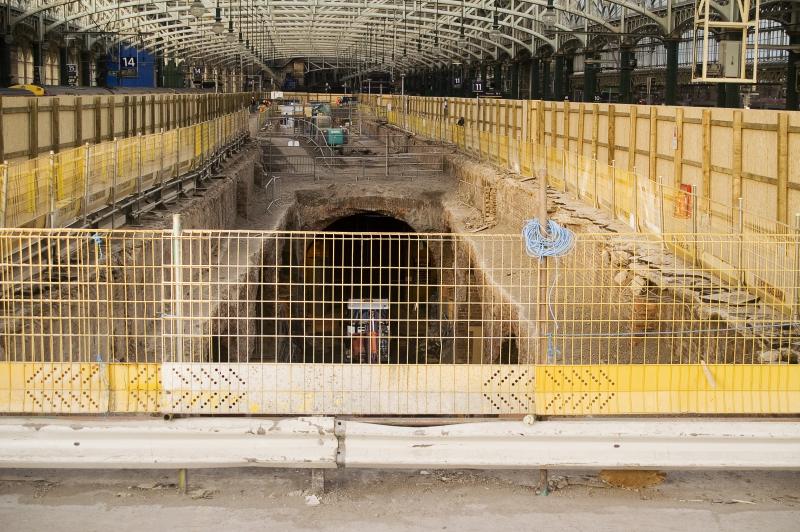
(612, 135)
(134, 116)
(55, 130)
(112, 107)
(736, 163)
(581, 132)
(595, 128)
(653, 153)
(126, 119)
(98, 120)
(677, 163)
(565, 127)
(2, 132)
(78, 121)
(33, 128)
(706, 165)
(633, 125)
(783, 168)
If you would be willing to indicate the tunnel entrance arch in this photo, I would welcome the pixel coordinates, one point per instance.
(369, 289)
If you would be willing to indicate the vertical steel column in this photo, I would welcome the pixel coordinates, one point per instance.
(671, 79)
(535, 81)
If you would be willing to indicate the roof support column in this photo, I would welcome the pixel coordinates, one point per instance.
(671, 78)
(589, 79)
(63, 59)
(625, 71)
(498, 78)
(559, 77)
(38, 62)
(535, 81)
(514, 81)
(5, 60)
(791, 73)
(546, 93)
(86, 68)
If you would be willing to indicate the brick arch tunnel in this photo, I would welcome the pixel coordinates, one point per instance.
(365, 289)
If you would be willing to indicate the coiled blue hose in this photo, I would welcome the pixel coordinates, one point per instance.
(558, 243)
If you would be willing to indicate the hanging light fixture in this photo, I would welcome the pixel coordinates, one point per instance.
(241, 39)
(549, 15)
(218, 27)
(496, 34)
(197, 9)
(230, 37)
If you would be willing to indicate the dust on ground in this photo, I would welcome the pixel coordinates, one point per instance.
(269, 499)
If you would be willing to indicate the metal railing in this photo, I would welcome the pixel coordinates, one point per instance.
(76, 186)
(390, 324)
(367, 159)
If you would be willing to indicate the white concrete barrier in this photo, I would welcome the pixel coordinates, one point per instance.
(584, 444)
(155, 443)
(325, 442)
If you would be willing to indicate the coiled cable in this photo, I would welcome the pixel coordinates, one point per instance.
(557, 243)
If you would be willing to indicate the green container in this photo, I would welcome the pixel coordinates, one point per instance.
(335, 136)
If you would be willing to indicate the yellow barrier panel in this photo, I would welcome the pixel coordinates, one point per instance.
(579, 390)
(57, 190)
(558, 390)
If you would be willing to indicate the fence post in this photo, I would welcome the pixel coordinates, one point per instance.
(177, 287)
(138, 172)
(4, 173)
(594, 172)
(661, 210)
(52, 216)
(613, 190)
(87, 168)
(740, 231)
(564, 158)
(114, 170)
(178, 152)
(695, 234)
(161, 157)
(542, 284)
(796, 265)
(635, 199)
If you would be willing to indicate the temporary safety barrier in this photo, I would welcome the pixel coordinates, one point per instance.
(650, 206)
(221, 322)
(63, 189)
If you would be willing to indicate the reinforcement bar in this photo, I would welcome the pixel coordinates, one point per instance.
(326, 442)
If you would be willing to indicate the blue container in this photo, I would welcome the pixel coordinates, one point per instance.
(335, 136)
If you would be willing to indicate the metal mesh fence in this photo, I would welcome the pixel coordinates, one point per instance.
(395, 323)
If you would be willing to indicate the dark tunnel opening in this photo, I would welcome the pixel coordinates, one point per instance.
(367, 289)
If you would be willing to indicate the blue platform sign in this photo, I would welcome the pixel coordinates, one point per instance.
(128, 64)
(477, 85)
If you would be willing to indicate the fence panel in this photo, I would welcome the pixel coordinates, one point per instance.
(391, 324)
(59, 189)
